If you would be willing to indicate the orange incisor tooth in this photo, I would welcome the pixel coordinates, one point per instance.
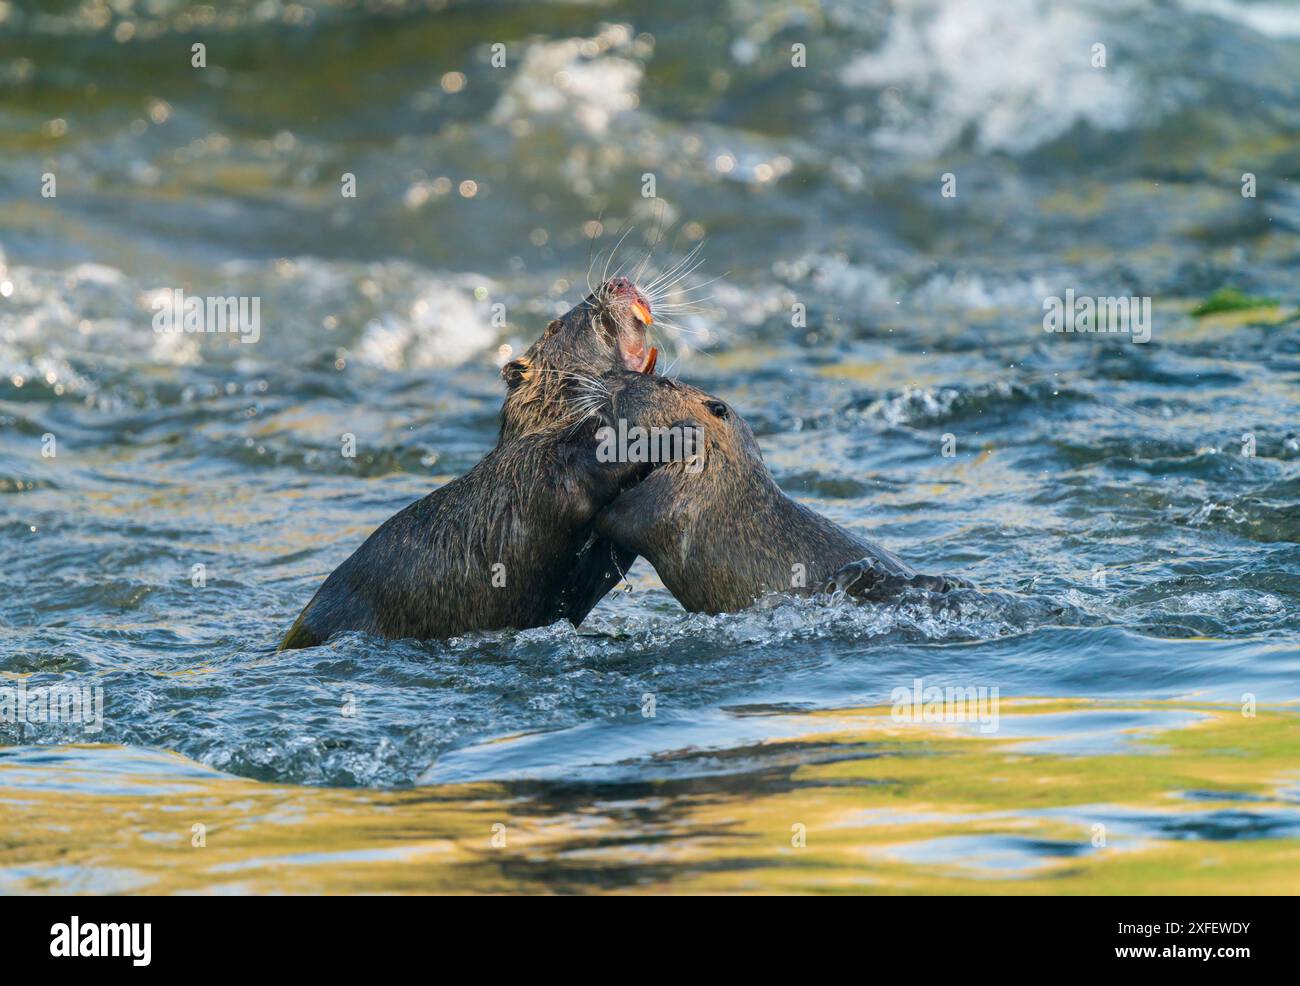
(651, 359)
(642, 313)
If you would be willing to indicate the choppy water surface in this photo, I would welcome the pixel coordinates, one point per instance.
(1134, 559)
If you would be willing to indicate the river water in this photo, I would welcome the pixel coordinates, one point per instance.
(878, 231)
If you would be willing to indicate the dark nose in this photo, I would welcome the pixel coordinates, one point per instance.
(620, 286)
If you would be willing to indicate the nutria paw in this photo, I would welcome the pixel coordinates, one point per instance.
(941, 583)
(867, 578)
(873, 578)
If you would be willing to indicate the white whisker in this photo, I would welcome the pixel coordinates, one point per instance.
(673, 271)
(604, 277)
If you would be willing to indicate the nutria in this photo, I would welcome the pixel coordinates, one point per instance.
(507, 545)
(428, 571)
(720, 532)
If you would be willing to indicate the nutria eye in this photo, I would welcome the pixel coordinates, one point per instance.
(717, 409)
(514, 372)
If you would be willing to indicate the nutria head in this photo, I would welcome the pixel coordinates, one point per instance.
(604, 332)
(719, 448)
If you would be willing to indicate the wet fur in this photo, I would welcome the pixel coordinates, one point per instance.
(727, 535)
(427, 572)
(555, 384)
(540, 383)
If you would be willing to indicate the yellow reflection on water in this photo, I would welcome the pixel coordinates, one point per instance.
(1069, 797)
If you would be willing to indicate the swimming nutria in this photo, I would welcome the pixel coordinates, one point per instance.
(404, 582)
(721, 533)
(507, 545)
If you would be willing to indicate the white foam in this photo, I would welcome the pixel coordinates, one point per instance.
(838, 279)
(1017, 73)
(972, 292)
(443, 326)
(560, 79)
(1274, 20)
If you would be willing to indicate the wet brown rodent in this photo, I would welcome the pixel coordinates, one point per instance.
(721, 533)
(527, 506)
(507, 545)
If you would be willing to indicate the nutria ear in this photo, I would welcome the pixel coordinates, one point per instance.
(514, 372)
(553, 328)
